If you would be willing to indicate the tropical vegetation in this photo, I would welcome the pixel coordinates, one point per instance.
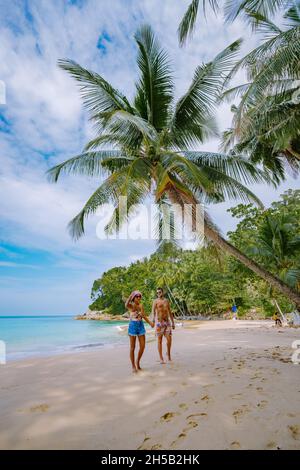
(152, 142)
(211, 282)
(265, 122)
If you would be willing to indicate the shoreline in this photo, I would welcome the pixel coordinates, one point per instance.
(231, 385)
(89, 347)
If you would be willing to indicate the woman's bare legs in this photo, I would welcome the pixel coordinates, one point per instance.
(142, 341)
(132, 348)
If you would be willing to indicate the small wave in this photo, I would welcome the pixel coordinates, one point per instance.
(121, 327)
(91, 345)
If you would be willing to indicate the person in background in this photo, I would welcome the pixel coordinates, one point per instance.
(277, 319)
(234, 312)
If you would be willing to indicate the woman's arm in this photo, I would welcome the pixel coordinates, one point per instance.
(144, 316)
(128, 303)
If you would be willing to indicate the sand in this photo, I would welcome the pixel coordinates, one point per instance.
(231, 385)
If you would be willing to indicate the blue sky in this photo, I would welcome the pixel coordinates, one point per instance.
(42, 270)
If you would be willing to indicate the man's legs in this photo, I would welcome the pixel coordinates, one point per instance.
(169, 345)
(159, 346)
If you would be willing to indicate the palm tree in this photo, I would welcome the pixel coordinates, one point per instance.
(278, 246)
(266, 120)
(232, 10)
(151, 140)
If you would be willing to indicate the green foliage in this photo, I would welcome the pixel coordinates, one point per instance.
(270, 237)
(152, 139)
(152, 142)
(196, 280)
(208, 281)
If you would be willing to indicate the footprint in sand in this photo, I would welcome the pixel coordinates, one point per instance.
(145, 440)
(183, 434)
(236, 396)
(168, 417)
(206, 398)
(256, 376)
(194, 415)
(39, 408)
(285, 360)
(262, 404)
(183, 406)
(191, 425)
(180, 437)
(235, 445)
(271, 445)
(240, 412)
(294, 431)
(156, 447)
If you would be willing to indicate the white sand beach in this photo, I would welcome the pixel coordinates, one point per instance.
(231, 385)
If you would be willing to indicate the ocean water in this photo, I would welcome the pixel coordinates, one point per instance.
(31, 336)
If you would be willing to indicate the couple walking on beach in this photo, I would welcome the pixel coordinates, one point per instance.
(162, 321)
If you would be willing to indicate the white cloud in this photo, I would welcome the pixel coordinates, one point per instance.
(46, 122)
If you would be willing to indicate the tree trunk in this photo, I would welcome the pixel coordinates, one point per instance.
(279, 310)
(256, 268)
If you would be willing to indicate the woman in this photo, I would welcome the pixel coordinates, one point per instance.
(136, 327)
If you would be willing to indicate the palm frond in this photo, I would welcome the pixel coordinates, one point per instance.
(155, 87)
(107, 192)
(188, 22)
(130, 120)
(235, 166)
(200, 99)
(87, 163)
(293, 14)
(98, 95)
(267, 8)
(261, 24)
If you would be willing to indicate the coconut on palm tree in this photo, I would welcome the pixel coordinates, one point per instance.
(152, 140)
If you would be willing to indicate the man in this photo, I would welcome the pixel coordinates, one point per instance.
(164, 323)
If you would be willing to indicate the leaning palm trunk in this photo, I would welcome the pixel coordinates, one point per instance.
(256, 268)
(151, 140)
(211, 233)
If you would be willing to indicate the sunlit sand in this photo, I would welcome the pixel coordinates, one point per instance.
(231, 385)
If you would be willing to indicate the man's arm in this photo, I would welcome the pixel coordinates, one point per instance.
(145, 317)
(152, 315)
(171, 315)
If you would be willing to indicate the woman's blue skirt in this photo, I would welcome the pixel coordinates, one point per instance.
(136, 328)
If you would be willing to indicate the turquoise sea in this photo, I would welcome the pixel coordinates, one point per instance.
(30, 336)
